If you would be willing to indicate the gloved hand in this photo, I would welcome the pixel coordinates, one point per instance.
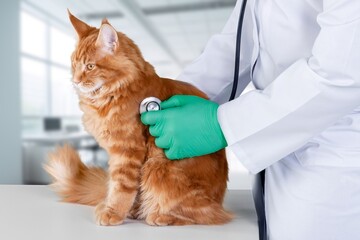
(187, 126)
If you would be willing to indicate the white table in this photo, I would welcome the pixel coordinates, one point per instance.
(34, 213)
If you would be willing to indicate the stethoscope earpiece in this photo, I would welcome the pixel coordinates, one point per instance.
(150, 104)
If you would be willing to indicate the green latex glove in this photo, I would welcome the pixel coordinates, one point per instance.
(187, 126)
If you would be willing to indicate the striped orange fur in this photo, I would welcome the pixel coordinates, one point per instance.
(112, 78)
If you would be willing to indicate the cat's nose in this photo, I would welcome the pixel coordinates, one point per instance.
(76, 80)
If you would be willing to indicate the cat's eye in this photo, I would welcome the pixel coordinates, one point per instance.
(90, 66)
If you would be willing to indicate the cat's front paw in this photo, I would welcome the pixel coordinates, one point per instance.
(107, 216)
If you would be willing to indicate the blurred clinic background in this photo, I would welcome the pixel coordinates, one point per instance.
(38, 106)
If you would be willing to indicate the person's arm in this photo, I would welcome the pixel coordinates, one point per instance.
(262, 127)
(213, 71)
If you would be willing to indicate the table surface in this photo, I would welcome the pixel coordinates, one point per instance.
(34, 212)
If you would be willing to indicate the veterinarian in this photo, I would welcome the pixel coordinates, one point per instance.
(301, 123)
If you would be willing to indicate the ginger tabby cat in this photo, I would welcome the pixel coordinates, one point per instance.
(112, 78)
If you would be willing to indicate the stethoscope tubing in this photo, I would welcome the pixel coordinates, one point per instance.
(238, 51)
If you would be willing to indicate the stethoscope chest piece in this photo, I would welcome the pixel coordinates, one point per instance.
(150, 104)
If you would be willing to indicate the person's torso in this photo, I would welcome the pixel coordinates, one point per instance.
(285, 31)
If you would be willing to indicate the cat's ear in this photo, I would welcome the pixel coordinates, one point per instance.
(81, 28)
(107, 39)
(105, 21)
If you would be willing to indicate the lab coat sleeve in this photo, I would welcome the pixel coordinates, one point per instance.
(213, 71)
(263, 126)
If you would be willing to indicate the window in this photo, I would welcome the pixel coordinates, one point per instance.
(33, 36)
(33, 87)
(45, 68)
(61, 46)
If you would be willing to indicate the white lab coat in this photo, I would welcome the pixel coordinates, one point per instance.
(302, 122)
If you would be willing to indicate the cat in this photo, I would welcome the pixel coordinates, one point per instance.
(111, 79)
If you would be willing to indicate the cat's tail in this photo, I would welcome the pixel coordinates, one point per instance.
(73, 181)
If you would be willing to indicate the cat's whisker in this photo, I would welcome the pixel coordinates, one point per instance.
(83, 87)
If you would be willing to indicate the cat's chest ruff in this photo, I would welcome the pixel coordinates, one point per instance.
(116, 126)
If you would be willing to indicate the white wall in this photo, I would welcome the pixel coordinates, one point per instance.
(10, 110)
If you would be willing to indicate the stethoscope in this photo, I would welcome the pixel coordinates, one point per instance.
(153, 103)
(150, 104)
